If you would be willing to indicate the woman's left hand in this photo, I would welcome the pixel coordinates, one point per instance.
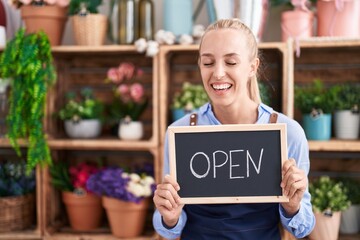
(294, 184)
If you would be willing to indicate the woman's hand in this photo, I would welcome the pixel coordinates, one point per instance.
(167, 201)
(294, 184)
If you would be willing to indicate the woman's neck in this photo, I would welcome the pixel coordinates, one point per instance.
(247, 113)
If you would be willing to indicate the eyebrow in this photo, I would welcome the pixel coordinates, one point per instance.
(226, 55)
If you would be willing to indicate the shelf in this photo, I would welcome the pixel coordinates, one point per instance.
(100, 144)
(24, 235)
(335, 145)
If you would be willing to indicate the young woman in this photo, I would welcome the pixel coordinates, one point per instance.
(228, 62)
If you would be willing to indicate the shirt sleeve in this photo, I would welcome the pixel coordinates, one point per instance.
(168, 233)
(303, 222)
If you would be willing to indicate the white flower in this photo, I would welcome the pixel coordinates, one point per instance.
(148, 180)
(165, 37)
(136, 189)
(152, 49)
(134, 177)
(198, 31)
(124, 175)
(141, 45)
(186, 39)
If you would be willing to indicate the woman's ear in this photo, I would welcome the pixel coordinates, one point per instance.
(254, 67)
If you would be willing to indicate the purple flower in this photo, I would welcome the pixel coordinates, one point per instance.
(114, 182)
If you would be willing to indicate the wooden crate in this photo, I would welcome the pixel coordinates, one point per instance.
(79, 67)
(179, 64)
(35, 231)
(56, 224)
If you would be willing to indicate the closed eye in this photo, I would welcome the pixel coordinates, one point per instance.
(231, 63)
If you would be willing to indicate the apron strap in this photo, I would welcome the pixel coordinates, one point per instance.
(273, 118)
(193, 119)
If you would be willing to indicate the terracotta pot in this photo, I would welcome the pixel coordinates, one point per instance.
(85, 212)
(337, 18)
(126, 219)
(326, 227)
(296, 24)
(50, 19)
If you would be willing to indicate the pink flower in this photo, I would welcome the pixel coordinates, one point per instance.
(113, 75)
(127, 70)
(124, 92)
(137, 92)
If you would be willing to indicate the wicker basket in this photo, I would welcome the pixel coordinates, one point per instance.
(17, 213)
(89, 30)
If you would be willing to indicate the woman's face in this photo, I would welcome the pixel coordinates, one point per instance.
(225, 67)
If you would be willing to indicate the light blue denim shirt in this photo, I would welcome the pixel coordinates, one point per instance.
(299, 225)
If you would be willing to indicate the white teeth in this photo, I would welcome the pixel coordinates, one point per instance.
(221, 86)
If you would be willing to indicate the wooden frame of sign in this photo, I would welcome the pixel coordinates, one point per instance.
(239, 163)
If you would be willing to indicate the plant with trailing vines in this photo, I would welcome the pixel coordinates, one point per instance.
(28, 62)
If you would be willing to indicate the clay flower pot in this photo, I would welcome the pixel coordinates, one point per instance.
(126, 219)
(84, 211)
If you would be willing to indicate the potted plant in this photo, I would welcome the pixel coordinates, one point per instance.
(350, 218)
(17, 198)
(189, 99)
(125, 197)
(296, 23)
(328, 198)
(346, 115)
(129, 102)
(89, 27)
(82, 115)
(47, 15)
(84, 209)
(316, 104)
(28, 62)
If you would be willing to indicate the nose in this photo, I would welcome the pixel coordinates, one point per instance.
(219, 71)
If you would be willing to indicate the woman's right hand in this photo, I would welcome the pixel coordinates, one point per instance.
(167, 201)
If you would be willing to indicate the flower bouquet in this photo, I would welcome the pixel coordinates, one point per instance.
(125, 198)
(130, 100)
(83, 207)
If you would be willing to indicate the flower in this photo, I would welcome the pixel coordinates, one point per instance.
(114, 182)
(14, 181)
(130, 101)
(72, 178)
(19, 3)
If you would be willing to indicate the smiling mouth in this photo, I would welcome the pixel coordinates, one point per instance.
(221, 87)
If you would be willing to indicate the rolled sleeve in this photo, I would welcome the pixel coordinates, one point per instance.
(169, 233)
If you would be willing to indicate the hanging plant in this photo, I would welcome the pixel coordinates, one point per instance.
(28, 62)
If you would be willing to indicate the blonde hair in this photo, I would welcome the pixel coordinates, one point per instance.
(234, 23)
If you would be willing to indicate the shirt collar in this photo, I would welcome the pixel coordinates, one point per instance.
(263, 112)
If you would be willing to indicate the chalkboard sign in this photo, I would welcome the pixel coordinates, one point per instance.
(228, 163)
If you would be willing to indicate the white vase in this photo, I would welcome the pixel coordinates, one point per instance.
(349, 223)
(132, 130)
(89, 128)
(346, 124)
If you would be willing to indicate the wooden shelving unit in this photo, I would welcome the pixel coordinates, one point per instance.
(79, 66)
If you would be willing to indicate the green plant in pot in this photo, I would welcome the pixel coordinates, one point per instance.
(328, 198)
(82, 114)
(346, 114)
(17, 197)
(28, 62)
(84, 209)
(316, 104)
(189, 99)
(89, 26)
